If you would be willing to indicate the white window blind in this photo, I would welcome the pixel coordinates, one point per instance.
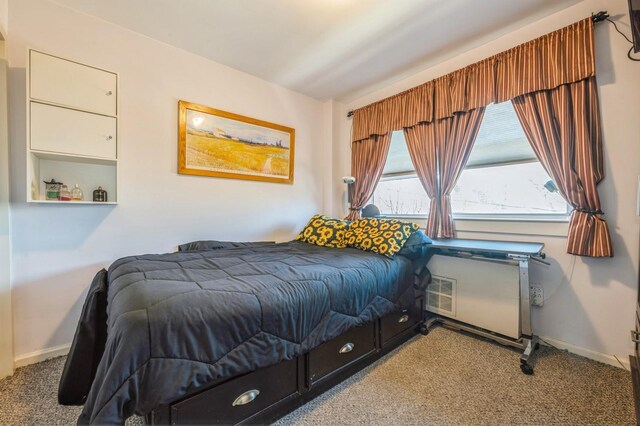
(398, 159)
(500, 139)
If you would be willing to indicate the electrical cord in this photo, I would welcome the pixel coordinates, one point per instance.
(567, 278)
(618, 30)
(626, 38)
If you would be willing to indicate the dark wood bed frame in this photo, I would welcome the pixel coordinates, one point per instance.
(265, 395)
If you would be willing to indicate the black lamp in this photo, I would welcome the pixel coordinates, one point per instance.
(370, 210)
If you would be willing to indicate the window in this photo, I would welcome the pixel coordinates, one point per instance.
(403, 195)
(502, 178)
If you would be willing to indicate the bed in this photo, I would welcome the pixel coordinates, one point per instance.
(161, 335)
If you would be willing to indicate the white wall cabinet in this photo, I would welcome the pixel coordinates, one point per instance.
(71, 84)
(72, 126)
(72, 132)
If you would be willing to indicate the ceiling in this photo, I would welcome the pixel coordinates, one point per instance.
(326, 49)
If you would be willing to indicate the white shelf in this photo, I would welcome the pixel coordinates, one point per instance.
(56, 156)
(89, 174)
(76, 203)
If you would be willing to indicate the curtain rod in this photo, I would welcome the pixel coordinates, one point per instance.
(597, 17)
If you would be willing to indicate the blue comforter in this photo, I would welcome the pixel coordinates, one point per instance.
(181, 321)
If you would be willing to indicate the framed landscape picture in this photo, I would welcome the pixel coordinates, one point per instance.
(218, 143)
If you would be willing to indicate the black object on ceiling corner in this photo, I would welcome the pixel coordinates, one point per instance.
(600, 16)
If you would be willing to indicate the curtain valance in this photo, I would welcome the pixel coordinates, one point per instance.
(561, 57)
(396, 112)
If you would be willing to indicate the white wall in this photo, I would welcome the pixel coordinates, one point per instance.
(57, 249)
(333, 118)
(6, 335)
(591, 302)
(4, 18)
(341, 160)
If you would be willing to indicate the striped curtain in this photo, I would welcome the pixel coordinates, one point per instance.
(367, 161)
(421, 143)
(455, 137)
(394, 113)
(561, 57)
(439, 151)
(563, 127)
(551, 81)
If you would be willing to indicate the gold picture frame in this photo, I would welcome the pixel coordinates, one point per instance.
(217, 143)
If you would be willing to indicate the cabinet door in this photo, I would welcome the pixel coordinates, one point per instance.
(66, 131)
(71, 84)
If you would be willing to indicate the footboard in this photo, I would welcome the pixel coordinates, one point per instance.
(267, 394)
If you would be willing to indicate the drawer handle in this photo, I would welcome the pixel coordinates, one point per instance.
(246, 397)
(109, 137)
(403, 318)
(109, 93)
(346, 348)
(634, 336)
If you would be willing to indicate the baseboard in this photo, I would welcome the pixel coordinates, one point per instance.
(588, 353)
(41, 355)
(56, 351)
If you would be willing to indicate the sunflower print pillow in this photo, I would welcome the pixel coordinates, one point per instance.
(383, 236)
(325, 232)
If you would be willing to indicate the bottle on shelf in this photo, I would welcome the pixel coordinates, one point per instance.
(100, 195)
(52, 189)
(65, 194)
(76, 194)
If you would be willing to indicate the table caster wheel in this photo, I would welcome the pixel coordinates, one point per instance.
(526, 369)
(424, 330)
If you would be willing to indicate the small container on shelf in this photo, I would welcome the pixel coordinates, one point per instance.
(52, 189)
(100, 195)
(65, 194)
(76, 194)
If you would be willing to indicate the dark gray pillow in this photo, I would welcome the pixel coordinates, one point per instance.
(416, 245)
(217, 245)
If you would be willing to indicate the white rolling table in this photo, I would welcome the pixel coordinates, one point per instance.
(515, 253)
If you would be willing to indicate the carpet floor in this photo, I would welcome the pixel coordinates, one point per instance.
(446, 378)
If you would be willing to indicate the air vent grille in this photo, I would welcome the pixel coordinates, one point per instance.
(441, 296)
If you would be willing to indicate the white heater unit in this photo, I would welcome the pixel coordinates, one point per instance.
(482, 293)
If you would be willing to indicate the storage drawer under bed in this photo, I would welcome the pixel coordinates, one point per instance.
(395, 323)
(341, 351)
(264, 394)
(239, 398)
